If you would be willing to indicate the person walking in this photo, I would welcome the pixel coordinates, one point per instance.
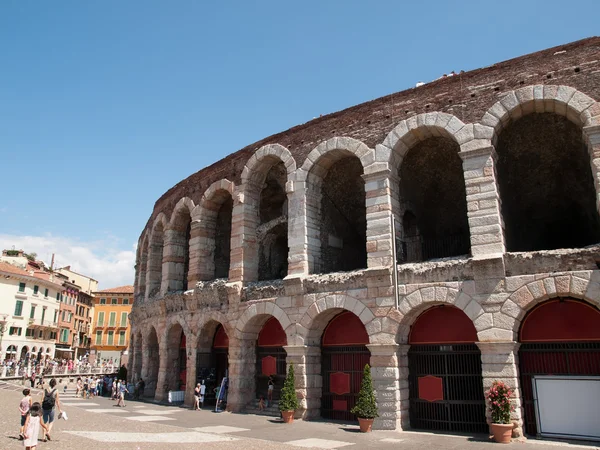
(196, 397)
(24, 407)
(50, 401)
(270, 390)
(32, 427)
(121, 394)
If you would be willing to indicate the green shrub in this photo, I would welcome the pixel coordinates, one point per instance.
(288, 400)
(366, 406)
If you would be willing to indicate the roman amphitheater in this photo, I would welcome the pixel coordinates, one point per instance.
(283, 252)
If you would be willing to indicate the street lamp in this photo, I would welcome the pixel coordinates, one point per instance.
(3, 327)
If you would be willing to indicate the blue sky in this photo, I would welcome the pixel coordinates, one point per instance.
(106, 105)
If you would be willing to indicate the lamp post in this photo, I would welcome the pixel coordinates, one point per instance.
(3, 327)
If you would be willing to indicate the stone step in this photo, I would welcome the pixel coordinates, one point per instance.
(272, 411)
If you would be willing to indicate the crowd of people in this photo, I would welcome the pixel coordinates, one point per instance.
(47, 366)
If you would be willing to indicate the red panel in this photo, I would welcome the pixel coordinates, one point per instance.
(272, 335)
(339, 383)
(269, 365)
(182, 342)
(340, 405)
(443, 324)
(431, 388)
(345, 329)
(221, 338)
(561, 320)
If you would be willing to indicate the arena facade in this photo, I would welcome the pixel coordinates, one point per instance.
(283, 252)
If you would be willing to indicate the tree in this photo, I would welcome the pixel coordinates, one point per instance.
(289, 400)
(366, 406)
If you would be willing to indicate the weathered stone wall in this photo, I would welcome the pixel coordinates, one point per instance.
(493, 287)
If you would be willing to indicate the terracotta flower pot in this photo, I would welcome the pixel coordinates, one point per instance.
(365, 425)
(288, 416)
(502, 432)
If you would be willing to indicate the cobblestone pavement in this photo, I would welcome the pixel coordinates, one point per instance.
(98, 424)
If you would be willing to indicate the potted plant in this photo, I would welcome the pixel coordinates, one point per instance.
(500, 406)
(288, 401)
(366, 406)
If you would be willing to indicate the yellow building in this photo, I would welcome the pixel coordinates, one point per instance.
(110, 335)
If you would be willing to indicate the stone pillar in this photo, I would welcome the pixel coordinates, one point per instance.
(202, 265)
(592, 135)
(483, 202)
(403, 393)
(297, 234)
(242, 370)
(243, 264)
(190, 368)
(160, 394)
(386, 377)
(173, 261)
(500, 361)
(309, 382)
(378, 201)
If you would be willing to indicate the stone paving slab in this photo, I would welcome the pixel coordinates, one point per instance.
(184, 429)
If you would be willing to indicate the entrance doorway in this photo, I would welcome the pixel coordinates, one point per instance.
(344, 354)
(270, 358)
(444, 365)
(560, 337)
(212, 367)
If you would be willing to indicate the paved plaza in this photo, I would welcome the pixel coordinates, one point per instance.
(98, 424)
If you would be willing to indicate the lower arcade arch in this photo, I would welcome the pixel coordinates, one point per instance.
(176, 376)
(270, 359)
(344, 354)
(152, 363)
(212, 359)
(560, 337)
(444, 373)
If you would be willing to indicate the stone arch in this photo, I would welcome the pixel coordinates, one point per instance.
(336, 168)
(566, 101)
(207, 325)
(210, 244)
(421, 127)
(427, 177)
(271, 167)
(579, 285)
(154, 271)
(175, 362)
(254, 317)
(421, 299)
(309, 329)
(137, 350)
(177, 246)
(151, 360)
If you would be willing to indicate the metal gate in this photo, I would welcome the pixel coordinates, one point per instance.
(565, 358)
(454, 374)
(262, 381)
(347, 364)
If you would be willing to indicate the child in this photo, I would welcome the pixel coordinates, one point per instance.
(32, 427)
(261, 403)
(24, 407)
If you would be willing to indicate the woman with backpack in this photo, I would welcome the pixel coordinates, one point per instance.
(50, 401)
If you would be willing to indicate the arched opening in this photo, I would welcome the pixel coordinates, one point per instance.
(25, 353)
(336, 214)
(444, 365)
(213, 236)
(270, 358)
(177, 359)
(155, 259)
(546, 185)
(433, 198)
(142, 268)
(11, 352)
(212, 359)
(561, 338)
(179, 250)
(344, 354)
(271, 232)
(153, 361)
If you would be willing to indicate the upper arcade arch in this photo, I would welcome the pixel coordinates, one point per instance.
(154, 271)
(210, 244)
(177, 246)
